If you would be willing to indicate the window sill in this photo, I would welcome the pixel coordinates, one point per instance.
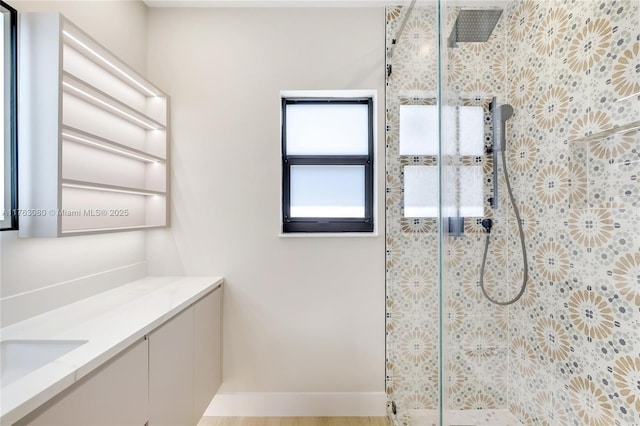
(328, 234)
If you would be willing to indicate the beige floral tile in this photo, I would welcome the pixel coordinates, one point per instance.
(566, 353)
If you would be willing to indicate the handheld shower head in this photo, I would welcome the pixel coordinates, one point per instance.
(500, 116)
(506, 111)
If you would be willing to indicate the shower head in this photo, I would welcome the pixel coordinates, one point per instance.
(474, 25)
(500, 114)
(506, 111)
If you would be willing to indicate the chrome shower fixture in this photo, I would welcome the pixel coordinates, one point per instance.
(473, 25)
(500, 115)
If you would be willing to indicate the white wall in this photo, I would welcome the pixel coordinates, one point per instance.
(119, 25)
(301, 314)
(31, 264)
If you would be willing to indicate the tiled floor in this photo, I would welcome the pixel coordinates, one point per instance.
(293, 421)
(465, 418)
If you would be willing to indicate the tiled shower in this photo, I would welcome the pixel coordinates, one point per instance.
(567, 352)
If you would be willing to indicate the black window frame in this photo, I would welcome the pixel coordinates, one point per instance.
(10, 146)
(328, 224)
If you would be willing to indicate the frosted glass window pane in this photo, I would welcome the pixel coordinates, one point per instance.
(462, 127)
(471, 196)
(327, 191)
(450, 192)
(471, 130)
(462, 191)
(418, 130)
(449, 130)
(327, 129)
(462, 130)
(420, 191)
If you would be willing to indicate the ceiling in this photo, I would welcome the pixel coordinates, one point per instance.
(314, 3)
(267, 3)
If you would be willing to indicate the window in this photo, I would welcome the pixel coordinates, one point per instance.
(327, 165)
(8, 123)
(463, 141)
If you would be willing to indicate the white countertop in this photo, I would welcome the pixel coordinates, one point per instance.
(110, 322)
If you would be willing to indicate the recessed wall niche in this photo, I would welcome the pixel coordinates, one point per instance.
(94, 153)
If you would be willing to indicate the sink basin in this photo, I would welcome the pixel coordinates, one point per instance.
(20, 357)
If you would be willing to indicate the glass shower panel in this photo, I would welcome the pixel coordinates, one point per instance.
(475, 346)
(536, 321)
(565, 81)
(412, 290)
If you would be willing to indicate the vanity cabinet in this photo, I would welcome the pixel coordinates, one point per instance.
(185, 363)
(171, 352)
(207, 350)
(115, 394)
(167, 379)
(93, 144)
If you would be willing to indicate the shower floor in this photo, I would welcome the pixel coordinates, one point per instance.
(465, 418)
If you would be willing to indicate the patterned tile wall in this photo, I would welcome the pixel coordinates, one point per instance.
(566, 353)
(574, 73)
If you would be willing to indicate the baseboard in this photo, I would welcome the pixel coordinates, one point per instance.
(286, 404)
(31, 303)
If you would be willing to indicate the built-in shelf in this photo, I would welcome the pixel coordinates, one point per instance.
(76, 38)
(620, 130)
(86, 138)
(94, 140)
(93, 186)
(78, 88)
(106, 230)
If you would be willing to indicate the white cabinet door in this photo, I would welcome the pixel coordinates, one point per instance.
(116, 394)
(208, 350)
(171, 372)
